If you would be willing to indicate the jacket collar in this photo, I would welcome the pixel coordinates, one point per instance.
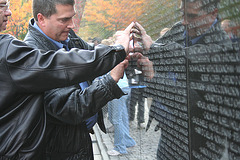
(58, 44)
(44, 42)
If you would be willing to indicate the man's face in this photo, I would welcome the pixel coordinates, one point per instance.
(58, 25)
(4, 13)
(196, 20)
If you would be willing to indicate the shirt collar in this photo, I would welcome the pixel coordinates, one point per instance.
(58, 44)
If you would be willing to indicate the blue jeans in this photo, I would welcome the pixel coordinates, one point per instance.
(118, 116)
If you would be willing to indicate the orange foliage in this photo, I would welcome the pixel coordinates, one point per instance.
(113, 14)
(18, 22)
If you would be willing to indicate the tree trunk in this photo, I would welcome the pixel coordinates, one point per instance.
(79, 8)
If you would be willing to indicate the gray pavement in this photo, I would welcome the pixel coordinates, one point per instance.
(147, 142)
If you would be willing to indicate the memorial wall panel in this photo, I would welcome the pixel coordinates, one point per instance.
(195, 91)
(196, 86)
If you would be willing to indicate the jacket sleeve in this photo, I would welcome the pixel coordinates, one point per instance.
(72, 105)
(56, 69)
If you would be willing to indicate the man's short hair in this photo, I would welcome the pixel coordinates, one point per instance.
(48, 7)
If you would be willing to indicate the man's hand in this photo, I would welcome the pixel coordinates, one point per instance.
(118, 71)
(123, 37)
(144, 64)
(144, 38)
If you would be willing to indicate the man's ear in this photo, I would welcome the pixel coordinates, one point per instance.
(41, 20)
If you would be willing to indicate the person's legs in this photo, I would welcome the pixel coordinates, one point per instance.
(117, 122)
(141, 109)
(128, 141)
(132, 104)
(110, 111)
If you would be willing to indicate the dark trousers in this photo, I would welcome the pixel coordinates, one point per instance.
(134, 98)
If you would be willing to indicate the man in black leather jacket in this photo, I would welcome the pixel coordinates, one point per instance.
(26, 73)
(67, 135)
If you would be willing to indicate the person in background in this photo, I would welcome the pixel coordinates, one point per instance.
(136, 75)
(107, 42)
(136, 99)
(228, 26)
(96, 41)
(4, 14)
(118, 116)
(163, 31)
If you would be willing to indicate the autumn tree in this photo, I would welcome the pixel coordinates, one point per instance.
(79, 8)
(159, 14)
(112, 15)
(18, 22)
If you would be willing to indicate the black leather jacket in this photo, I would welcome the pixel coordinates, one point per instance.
(25, 74)
(67, 136)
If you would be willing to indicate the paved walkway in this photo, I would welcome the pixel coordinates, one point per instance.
(146, 148)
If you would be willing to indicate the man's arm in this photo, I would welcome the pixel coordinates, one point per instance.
(56, 69)
(72, 105)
